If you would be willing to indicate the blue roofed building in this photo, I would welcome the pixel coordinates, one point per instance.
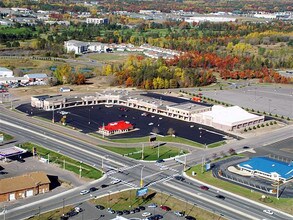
(268, 168)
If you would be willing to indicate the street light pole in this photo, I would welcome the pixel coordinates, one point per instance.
(270, 106)
(141, 180)
(158, 150)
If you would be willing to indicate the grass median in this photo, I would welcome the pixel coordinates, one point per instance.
(64, 161)
(171, 139)
(150, 152)
(283, 204)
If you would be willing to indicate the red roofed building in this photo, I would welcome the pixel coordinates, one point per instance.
(117, 127)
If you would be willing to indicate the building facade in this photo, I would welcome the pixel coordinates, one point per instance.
(27, 185)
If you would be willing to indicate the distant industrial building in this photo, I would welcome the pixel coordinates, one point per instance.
(97, 21)
(4, 72)
(199, 19)
(118, 127)
(268, 168)
(27, 185)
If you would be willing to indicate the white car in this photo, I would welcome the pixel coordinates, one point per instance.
(84, 192)
(153, 205)
(151, 123)
(115, 181)
(146, 214)
(270, 212)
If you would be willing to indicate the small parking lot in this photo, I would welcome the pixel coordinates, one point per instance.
(90, 118)
(90, 212)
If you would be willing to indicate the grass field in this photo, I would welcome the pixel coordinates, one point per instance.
(283, 204)
(7, 137)
(150, 153)
(70, 164)
(110, 57)
(128, 200)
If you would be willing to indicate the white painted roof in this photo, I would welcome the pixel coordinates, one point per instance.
(229, 115)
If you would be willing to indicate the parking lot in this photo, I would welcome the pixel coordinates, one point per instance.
(90, 118)
(90, 212)
(271, 99)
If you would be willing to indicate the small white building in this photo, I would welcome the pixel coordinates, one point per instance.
(34, 77)
(78, 47)
(97, 21)
(4, 72)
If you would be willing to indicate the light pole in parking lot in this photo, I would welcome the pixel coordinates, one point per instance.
(89, 116)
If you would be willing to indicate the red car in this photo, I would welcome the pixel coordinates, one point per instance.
(204, 187)
(165, 208)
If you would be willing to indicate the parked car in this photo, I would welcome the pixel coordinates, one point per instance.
(137, 210)
(100, 207)
(157, 217)
(84, 192)
(78, 209)
(165, 208)
(119, 213)
(111, 211)
(160, 161)
(146, 214)
(245, 147)
(270, 212)
(180, 214)
(104, 186)
(153, 205)
(126, 212)
(204, 187)
(141, 207)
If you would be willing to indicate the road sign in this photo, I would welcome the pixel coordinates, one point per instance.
(141, 191)
(208, 166)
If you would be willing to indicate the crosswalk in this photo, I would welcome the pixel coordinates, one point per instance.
(117, 170)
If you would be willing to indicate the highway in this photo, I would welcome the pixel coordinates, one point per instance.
(130, 170)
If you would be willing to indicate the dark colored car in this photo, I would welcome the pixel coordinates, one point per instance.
(204, 187)
(189, 217)
(119, 213)
(141, 207)
(92, 189)
(104, 186)
(165, 208)
(136, 210)
(245, 147)
(157, 217)
(180, 178)
(126, 212)
(64, 217)
(100, 207)
(220, 197)
(160, 161)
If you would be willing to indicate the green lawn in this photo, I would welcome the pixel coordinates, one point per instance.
(110, 57)
(7, 137)
(150, 153)
(128, 200)
(70, 164)
(283, 204)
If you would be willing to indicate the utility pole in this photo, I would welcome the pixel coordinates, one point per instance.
(80, 171)
(158, 150)
(141, 180)
(103, 130)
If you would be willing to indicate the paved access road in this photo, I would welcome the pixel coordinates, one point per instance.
(130, 172)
